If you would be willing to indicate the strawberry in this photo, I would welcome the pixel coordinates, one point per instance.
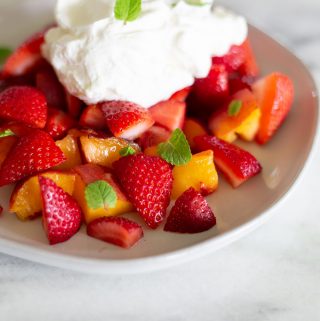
(190, 214)
(236, 84)
(274, 94)
(25, 56)
(92, 117)
(125, 119)
(61, 213)
(153, 136)
(17, 128)
(25, 80)
(32, 154)
(147, 181)
(169, 113)
(24, 104)
(89, 173)
(1, 210)
(181, 95)
(249, 67)
(116, 230)
(58, 123)
(48, 83)
(74, 105)
(235, 163)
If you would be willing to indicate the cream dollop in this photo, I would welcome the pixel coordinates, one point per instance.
(98, 57)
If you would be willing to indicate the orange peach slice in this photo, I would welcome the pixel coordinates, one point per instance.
(191, 129)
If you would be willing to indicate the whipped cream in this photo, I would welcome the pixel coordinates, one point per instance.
(98, 57)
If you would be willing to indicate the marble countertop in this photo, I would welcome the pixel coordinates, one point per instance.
(271, 274)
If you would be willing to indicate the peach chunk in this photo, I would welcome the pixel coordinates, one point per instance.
(200, 173)
(191, 129)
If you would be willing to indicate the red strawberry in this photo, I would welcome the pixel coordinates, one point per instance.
(235, 163)
(24, 104)
(17, 128)
(125, 119)
(181, 95)
(190, 214)
(25, 57)
(89, 173)
(74, 105)
(48, 83)
(32, 154)
(249, 67)
(61, 213)
(92, 117)
(153, 136)
(169, 113)
(58, 123)
(274, 94)
(116, 230)
(147, 181)
(25, 80)
(236, 84)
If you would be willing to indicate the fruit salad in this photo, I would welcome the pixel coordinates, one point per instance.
(133, 107)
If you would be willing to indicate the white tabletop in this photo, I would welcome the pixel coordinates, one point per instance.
(272, 274)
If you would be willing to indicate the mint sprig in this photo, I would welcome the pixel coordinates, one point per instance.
(6, 133)
(100, 194)
(176, 150)
(127, 10)
(4, 54)
(234, 107)
(126, 151)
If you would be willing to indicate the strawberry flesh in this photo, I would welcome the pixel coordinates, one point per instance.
(190, 214)
(154, 136)
(93, 117)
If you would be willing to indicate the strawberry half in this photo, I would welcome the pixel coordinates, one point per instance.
(32, 154)
(169, 114)
(61, 213)
(125, 119)
(116, 230)
(24, 104)
(190, 214)
(92, 117)
(147, 181)
(235, 163)
(274, 94)
(74, 105)
(181, 95)
(154, 136)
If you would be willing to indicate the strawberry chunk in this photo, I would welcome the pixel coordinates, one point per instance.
(24, 104)
(169, 113)
(181, 95)
(154, 136)
(249, 67)
(125, 119)
(190, 214)
(32, 154)
(274, 94)
(61, 213)
(58, 123)
(115, 230)
(235, 163)
(92, 117)
(147, 181)
(74, 105)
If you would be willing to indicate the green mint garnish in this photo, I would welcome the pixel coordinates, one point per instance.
(127, 10)
(126, 151)
(100, 194)
(234, 107)
(4, 54)
(176, 150)
(7, 132)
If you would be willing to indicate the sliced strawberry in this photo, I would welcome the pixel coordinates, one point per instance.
(58, 123)
(169, 113)
(125, 119)
(147, 181)
(116, 230)
(93, 117)
(89, 172)
(181, 95)
(190, 214)
(154, 136)
(74, 105)
(274, 94)
(61, 213)
(25, 80)
(24, 104)
(17, 128)
(25, 56)
(48, 83)
(238, 83)
(32, 154)
(235, 163)
(250, 66)
(6, 144)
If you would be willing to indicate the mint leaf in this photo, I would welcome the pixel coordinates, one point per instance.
(4, 54)
(7, 132)
(176, 150)
(126, 151)
(127, 10)
(234, 107)
(100, 194)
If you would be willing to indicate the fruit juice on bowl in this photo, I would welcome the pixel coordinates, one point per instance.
(133, 106)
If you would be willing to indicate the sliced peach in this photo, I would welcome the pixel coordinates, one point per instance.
(6, 144)
(25, 199)
(200, 173)
(103, 151)
(89, 173)
(244, 124)
(70, 148)
(193, 128)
